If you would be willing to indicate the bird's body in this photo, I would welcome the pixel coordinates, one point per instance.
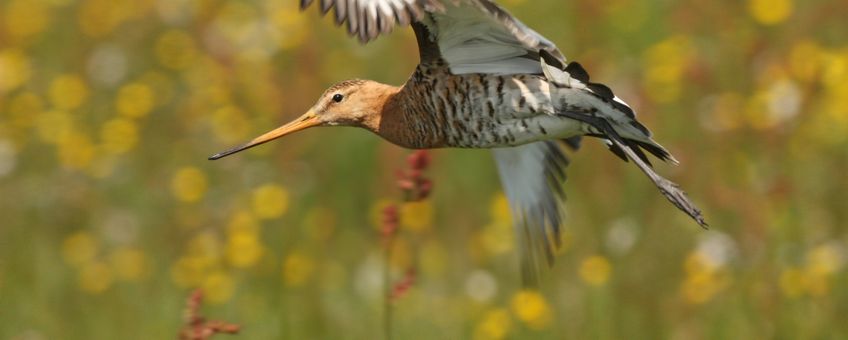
(436, 109)
(485, 80)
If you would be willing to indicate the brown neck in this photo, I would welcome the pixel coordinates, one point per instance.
(391, 120)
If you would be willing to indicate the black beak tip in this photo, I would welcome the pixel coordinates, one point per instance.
(222, 154)
(231, 151)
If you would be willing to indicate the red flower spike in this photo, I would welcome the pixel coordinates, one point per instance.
(402, 287)
(418, 160)
(405, 184)
(391, 221)
(424, 188)
(196, 327)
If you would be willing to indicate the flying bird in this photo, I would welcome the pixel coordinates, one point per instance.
(486, 80)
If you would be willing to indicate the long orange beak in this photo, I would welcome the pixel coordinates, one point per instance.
(308, 120)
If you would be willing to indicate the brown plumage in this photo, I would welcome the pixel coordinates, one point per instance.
(485, 80)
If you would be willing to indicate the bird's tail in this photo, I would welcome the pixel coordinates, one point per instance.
(631, 149)
(638, 148)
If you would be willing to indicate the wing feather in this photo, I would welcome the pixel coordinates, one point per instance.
(368, 19)
(532, 177)
(474, 36)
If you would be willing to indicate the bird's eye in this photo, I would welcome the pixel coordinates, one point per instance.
(338, 97)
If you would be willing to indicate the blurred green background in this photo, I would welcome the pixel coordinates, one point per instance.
(111, 213)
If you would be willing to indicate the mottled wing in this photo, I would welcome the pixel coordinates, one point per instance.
(473, 36)
(532, 177)
(368, 19)
(478, 36)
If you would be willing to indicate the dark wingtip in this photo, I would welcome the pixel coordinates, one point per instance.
(550, 59)
(700, 219)
(577, 72)
(573, 143)
(304, 4)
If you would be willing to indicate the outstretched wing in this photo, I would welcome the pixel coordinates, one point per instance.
(472, 36)
(478, 36)
(532, 177)
(367, 19)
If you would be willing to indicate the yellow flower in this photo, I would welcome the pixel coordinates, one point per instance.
(417, 216)
(25, 18)
(664, 64)
(704, 279)
(79, 248)
(97, 18)
(270, 201)
(816, 283)
(595, 270)
(68, 92)
(95, 277)
(175, 49)
(531, 308)
(134, 100)
(495, 325)
(119, 135)
(297, 269)
(834, 71)
(243, 249)
(14, 68)
(188, 184)
(825, 259)
(76, 150)
(218, 287)
(701, 287)
(499, 208)
(243, 221)
(770, 12)
(697, 263)
(129, 264)
(792, 282)
(805, 60)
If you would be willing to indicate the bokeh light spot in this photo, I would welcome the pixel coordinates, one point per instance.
(188, 184)
(79, 248)
(531, 308)
(175, 49)
(770, 12)
(595, 270)
(134, 100)
(68, 92)
(270, 201)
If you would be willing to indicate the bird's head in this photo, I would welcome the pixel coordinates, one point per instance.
(356, 102)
